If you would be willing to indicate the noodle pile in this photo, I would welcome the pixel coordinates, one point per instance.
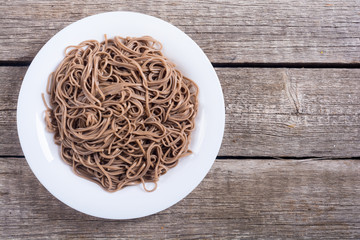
(120, 111)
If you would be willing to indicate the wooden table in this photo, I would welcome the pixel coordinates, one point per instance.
(289, 163)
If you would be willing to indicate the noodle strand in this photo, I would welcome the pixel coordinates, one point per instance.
(120, 111)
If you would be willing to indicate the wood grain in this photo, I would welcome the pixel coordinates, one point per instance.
(291, 112)
(279, 31)
(269, 112)
(248, 199)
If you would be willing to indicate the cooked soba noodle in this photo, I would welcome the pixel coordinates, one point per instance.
(120, 111)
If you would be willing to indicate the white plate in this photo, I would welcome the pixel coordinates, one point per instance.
(43, 155)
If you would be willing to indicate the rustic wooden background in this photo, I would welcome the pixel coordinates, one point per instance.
(289, 164)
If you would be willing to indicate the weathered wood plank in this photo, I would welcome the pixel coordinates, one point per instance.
(248, 199)
(10, 83)
(269, 112)
(278, 31)
(291, 112)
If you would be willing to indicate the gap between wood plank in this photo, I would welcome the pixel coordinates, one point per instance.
(287, 65)
(284, 158)
(14, 63)
(234, 65)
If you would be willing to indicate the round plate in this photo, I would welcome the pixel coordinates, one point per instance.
(131, 202)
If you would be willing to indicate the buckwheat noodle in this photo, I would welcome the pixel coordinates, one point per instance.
(120, 111)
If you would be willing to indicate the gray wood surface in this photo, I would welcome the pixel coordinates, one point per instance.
(242, 31)
(269, 112)
(247, 199)
(289, 164)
